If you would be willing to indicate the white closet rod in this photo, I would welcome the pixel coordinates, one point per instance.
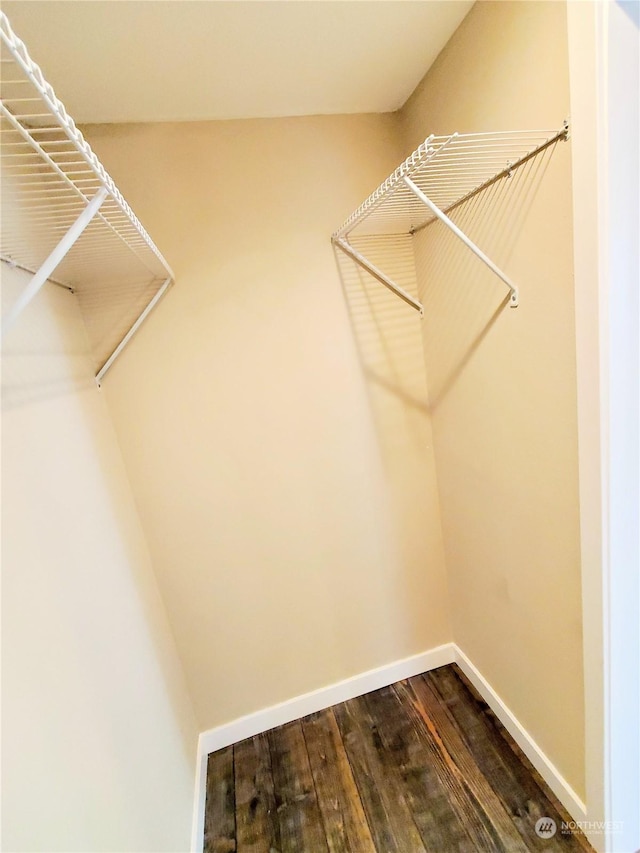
(15, 265)
(505, 173)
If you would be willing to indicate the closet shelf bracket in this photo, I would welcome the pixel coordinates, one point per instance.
(55, 258)
(513, 298)
(377, 273)
(165, 286)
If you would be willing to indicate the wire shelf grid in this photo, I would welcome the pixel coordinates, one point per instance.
(49, 175)
(448, 169)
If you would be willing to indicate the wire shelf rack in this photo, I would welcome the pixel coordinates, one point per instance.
(63, 218)
(441, 174)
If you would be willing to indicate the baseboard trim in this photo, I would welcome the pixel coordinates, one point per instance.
(197, 824)
(549, 772)
(358, 685)
(300, 706)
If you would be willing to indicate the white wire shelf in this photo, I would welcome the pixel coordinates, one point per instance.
(63, 218)
(441, 174)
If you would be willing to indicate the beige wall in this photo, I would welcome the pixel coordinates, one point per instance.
(289, 499)
(502, 382)
(98, 733)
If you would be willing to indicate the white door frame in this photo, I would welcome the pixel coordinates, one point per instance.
(605, 90)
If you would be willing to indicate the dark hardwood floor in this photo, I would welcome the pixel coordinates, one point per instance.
(423, 765)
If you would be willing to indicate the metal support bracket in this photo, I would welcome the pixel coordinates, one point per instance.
(359, 259)
(100, 374)
(415, 189)
(54, 259)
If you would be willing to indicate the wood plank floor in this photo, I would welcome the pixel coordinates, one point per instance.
(422, 766)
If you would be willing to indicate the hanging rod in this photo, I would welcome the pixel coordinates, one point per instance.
(509, 169)
(443, 173)
(14, 265)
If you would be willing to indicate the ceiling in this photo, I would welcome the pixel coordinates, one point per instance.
(184, 60)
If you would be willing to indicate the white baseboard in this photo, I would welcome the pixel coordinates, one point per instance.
(300, 706)
(197, 824)
(324, 697)
(549, 772)
(373, 679)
